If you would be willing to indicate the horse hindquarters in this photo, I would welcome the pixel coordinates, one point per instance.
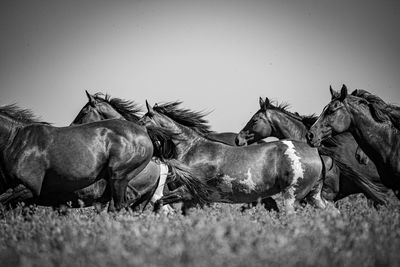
(303, 167)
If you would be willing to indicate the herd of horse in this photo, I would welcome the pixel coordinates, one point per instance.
(110, 155)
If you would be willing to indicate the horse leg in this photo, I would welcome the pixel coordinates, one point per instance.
(289, 199)
(16, 195)
(178, 195)
(268, 203)
(118, 186)
(31, 176)
(331, 184)
(314, 197)
(158, 194)
(328, 182)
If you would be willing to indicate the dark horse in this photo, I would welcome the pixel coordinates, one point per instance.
(239, 174)
(277, 121)
(56, 160)
(374, 124)
(148, 183)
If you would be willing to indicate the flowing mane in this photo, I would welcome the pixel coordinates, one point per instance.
(192, 119)
(307, 120)
(380, 110)
(128, 109)
(24, 116)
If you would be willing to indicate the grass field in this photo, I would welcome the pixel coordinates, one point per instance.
(220, 235)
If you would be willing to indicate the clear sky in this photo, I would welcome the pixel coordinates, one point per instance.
(217, 56)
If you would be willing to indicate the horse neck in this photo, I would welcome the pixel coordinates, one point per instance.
(187, 137)
(286, 127)
(8, 129)
(376, 139)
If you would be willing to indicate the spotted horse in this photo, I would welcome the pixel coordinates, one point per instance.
(238, 174)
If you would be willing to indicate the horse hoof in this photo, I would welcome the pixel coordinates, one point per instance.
(157, 206)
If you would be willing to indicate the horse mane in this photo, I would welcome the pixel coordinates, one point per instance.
(380, 110)
(192, 119)
(283, 107)
(307, 120)
(128, 109)
(24, 116)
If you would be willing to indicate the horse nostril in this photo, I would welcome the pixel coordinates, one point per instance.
(240, 140)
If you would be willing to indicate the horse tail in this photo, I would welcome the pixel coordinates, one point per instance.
(375, 191)
(196, 184)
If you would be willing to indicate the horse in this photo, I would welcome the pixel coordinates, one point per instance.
(277, 121)
(238, 174)
(374, 124)
(52, 161)
(148, 183)
(228, 138)
(151, 181)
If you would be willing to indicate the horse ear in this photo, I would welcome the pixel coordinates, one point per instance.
(334, 94)
(264, 104)
(149, 108)
(261, 101)
(91, 99)
(343, 93)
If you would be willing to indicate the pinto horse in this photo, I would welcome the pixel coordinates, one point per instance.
(238, 174)
(374, 124)
(278, 121)
(59, 160)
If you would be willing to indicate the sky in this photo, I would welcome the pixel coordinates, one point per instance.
(215, 56)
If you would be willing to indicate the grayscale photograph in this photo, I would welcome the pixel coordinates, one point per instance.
(199, 133)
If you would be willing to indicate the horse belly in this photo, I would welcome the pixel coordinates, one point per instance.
(242, 187)
(73, 171)
(147, 178)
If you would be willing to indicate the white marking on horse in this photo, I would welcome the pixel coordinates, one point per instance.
(298, 173)
(163, 177)
(159, 193)
(249, 183)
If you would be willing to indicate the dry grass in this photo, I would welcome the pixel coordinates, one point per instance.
(216, 236)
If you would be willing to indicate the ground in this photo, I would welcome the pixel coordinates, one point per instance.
(220, 235)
